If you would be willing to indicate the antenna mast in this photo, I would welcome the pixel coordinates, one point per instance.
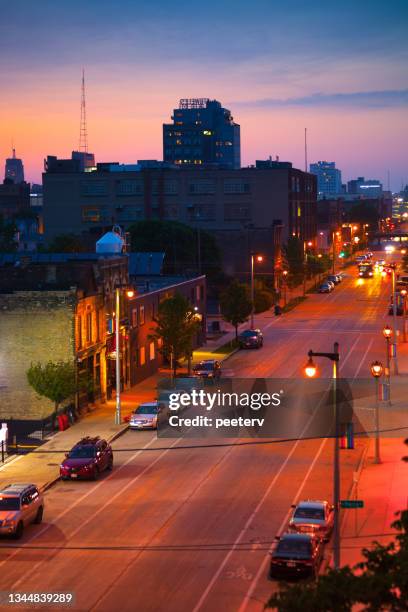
(83, 133)
(305, 149)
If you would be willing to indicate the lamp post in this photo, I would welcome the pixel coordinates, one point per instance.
(387, 333)
(284, 283)
(310, 371)
(130, 293)
(394, 319)
(404, 293)
(376, 371)
(258, 258)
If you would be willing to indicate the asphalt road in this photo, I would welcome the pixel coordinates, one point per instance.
(187, 529)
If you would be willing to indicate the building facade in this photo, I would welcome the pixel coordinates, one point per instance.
(202, 132)
(328, 178)
(370, 188)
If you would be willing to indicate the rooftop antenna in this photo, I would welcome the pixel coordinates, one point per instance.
(388, 180)
(305, 149)
(83, 133)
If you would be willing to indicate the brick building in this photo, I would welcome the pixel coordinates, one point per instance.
(61, 307)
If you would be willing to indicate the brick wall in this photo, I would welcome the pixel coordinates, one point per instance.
(34, 326)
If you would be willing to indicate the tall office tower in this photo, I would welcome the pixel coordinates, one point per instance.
(14, 169)
(328, 178)
(202, 132)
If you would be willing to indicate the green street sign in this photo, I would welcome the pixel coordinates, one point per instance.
(351, 503)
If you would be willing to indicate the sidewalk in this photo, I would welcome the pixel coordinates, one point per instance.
(43, 468)
(384, 492)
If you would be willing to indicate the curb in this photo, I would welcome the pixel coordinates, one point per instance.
(111, 439)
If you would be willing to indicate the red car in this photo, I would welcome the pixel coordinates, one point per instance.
(87, 459)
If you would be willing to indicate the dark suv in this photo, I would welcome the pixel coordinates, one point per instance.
(250, 338)
(87, 459)
(209, 368)
(296, 555)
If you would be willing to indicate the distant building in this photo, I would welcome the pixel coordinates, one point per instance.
(14, 169)
(328, 178)
(86, 160)
(231, 204)
(371, 188)
(202, 132)
(14, 198)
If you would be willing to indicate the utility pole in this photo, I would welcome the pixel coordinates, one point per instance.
(305, 149)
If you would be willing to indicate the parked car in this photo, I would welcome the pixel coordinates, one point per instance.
(296, 555)
(87, 459)
(315, 517)
(399, 311)
(20, 505)
(209, 368)
(334, 278)
(250, 338)
(325, 288)
(330, 282)
(146, 415)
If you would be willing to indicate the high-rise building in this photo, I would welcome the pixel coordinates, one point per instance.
(328, 178)
(14, 169)
(202, 132)
(370, 188)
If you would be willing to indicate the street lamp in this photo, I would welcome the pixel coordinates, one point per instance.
(387, 333)
(394, 318)
(259, 259)
(310, 371)
(129, 293)
(404, 293)
(376, 371)
(284, 282)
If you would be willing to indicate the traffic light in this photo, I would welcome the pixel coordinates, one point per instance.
(342, 254)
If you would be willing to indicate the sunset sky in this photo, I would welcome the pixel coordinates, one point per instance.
(337, 68)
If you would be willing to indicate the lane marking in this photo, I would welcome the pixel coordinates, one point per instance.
(261, 569)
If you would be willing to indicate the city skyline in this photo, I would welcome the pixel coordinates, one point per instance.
(339, 72)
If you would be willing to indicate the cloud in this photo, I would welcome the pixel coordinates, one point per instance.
(359, 99)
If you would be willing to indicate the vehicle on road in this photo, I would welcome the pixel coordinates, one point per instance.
(315, 517)
(360, 258)
(209, 368)
(325, 288)
(330, 282)
(366, 270)
(20, 505)
(146, 416)
(380, 262)
(334, 278)
(250, 338)
(87, 459)
(296, 555)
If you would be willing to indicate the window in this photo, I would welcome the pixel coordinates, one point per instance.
(79, 337)
(129, 187)
(234, 186)
(134, 317)
(152, 351)
(94, 188)
(236, 212)
(97, 325)
(142, 355)
(141, 315)
(202, 187)
(91, 214)
(89, 326)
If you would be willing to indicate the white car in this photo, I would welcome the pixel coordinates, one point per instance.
(146, 415)
(20, 505)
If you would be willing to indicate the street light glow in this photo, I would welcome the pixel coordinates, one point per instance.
(130, 293)
(376, 369)
(387, 331)
(310, 368)
(259, 258)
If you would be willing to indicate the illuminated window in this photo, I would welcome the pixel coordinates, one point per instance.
(141, 315)
(134, 317)
(142, 355)
(89, 326)
(91, 214)
(207, 133)
(152, 351)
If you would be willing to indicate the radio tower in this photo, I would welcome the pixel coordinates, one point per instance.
(83, 133)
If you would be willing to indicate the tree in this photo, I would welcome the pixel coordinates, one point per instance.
(66, 243)
(179, 242)
(8, 232)
(236, 305)
(176, 325)
(54, 380)
(380, 584)
(294, 258)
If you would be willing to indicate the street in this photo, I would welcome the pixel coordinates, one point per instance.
(189, 529)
